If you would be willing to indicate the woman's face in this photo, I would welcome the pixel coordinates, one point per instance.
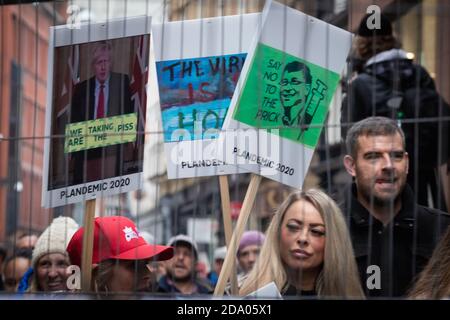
(302, 241)
(51, 272)
(131, 276)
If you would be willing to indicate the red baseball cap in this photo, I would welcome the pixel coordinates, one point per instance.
(116, 237)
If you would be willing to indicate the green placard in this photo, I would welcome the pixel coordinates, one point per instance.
(100, 132)
(286, 93)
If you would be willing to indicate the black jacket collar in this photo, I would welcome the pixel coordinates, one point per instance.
(361, 216)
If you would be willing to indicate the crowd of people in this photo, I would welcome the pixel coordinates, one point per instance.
(381, 239)
(378, 242)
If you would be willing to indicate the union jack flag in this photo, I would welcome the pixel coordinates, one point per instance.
(71, 78)
(138, 86)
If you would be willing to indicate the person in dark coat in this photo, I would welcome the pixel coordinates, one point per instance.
(106, 94)
(181, 277)
(387, 72)
(392, 235)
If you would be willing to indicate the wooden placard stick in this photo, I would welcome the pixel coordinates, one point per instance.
(228, 226)
(88, 244)
(237, 234)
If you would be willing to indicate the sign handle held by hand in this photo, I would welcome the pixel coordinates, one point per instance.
(237, 234)
(228, 226)
(88, 244)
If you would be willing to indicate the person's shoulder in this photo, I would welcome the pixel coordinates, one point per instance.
(204, 286)
(344, 198)
(361, 79)
(428, 216)
(82, 84)
(362, 76)
(163, 285)
(434, 212)
(361, 83)
(419, 68)
(431, 225)
(420, 73)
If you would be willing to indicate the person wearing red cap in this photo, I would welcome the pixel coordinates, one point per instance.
(121, 259)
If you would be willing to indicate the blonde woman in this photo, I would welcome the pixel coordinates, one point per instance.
(307, 251)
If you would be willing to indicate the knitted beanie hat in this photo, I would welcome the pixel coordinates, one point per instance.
(249, 238)
(55, 238)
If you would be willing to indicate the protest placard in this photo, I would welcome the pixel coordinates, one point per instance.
(198, 64)
(96, 109)
(282, 99)
(280, 104)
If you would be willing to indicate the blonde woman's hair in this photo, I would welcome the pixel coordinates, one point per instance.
(434, 280)
(339, 275)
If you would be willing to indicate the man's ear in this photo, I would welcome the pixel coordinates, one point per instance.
(349, 164)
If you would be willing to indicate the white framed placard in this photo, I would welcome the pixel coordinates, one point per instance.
(285, 90)
(96, 110)
(198, 64)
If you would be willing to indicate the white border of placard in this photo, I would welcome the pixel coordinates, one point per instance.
(66, 35)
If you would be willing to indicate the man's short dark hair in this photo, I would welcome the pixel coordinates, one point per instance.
(372, 126)
(299, 66)
(181, 243)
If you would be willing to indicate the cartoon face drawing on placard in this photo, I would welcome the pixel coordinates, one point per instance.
(286, 93)
(295, 86)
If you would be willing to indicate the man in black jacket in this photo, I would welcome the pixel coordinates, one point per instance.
(389, 84)
(393, 236)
